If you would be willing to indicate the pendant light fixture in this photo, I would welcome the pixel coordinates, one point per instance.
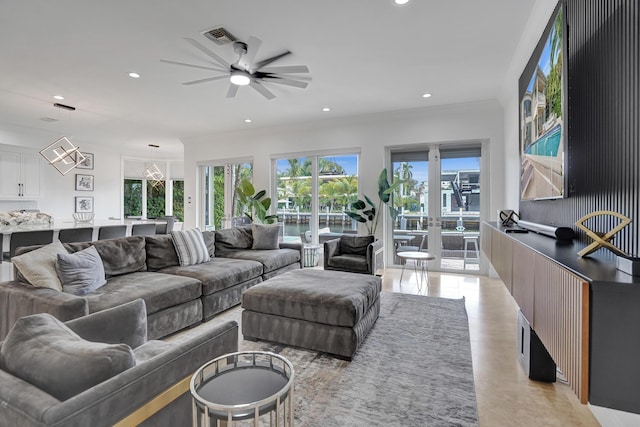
(61, 153)
(153, 173)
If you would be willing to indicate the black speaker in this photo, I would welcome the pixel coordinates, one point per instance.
(534, 358)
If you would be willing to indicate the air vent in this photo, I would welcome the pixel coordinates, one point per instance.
(48, 119)
(219, 36)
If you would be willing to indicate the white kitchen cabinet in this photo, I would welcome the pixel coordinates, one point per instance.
(20, 175)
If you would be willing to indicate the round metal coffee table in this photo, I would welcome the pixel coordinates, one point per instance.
(243, 386)
(421, 258)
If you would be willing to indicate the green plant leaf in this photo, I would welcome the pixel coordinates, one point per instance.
(358, 205)
(260, 194)
(369, 201)
(383, 185)
(247, 188)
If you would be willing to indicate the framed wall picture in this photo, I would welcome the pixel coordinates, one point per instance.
(84, 182)
(84, 204)
(87, 163)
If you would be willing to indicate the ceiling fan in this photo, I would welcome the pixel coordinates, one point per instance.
(247, 72)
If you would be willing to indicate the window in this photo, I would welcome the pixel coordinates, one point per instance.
(316, 190)
(151, 199)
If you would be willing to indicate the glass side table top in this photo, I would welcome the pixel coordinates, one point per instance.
(243, 385)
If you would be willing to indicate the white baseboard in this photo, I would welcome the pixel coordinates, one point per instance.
(608, 417)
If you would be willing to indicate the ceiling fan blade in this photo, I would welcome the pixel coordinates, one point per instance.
(233, 89)
(263, 90)
(253, 44)
(286, 69)
(258, 65)
(284, 81)
(203, 49)
(193, 65)
(209, 79)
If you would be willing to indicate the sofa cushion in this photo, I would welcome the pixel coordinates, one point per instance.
(355, 245)
(160, 252)
(219, 273)
(232, 239)
(210, 240)
(265, 236)
(159, 291)
(81, 272)
(119, 256)
(190, 246)
(270, 259)
(349, 262)
(44, 352)
(38, 267)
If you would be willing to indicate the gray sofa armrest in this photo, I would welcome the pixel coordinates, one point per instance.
(331, 249)
(126, 323)
(19, 299)
(371, 255)
(294, 245)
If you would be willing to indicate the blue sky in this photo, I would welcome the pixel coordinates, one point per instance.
(420, 169)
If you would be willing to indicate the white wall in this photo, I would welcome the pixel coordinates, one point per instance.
(370, 134)
(57, 191)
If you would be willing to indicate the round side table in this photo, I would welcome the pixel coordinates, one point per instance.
(243, 386)
(421, 258)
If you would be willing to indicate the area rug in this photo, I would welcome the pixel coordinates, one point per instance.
(414, 369)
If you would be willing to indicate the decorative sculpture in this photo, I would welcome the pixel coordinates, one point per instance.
(601, 240)
(507, 217)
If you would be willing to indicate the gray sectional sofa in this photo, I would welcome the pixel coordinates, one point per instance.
(50, 375)
(147, 267)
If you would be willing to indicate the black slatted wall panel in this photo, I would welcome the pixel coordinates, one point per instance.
(603, 119)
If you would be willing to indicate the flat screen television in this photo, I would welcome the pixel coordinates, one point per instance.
(543, 127)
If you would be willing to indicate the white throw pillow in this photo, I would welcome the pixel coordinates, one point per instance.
(38, 267)
(190, 246)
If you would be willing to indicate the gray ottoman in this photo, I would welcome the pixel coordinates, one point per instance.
(328, 311)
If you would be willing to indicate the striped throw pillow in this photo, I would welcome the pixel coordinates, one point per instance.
(190, 246)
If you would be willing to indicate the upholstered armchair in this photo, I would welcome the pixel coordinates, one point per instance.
(356, 254)
(100, 370)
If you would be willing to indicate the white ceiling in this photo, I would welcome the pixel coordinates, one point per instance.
(365, 56)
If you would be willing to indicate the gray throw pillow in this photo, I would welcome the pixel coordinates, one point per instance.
(44, 352)
(160, 252)
(81, 272)
(265, 236)
(123, 255)
(355, 245)
(38, 267)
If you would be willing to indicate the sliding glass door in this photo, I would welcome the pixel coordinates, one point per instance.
(439, 205)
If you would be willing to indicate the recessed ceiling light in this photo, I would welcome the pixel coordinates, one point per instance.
(325, 109)
(401, 2)
(134, 75)
(247, 120)
(59, 97)
(426, 95)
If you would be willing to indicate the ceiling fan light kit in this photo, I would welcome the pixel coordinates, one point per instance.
(245, 71)
(240, 78)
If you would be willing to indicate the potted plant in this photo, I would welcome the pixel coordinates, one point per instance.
(256, 205)
(366, 211)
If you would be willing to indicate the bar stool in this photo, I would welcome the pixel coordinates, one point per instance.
(143, 229)
(473, 241)
(27, 238)
(112, 231)
(71, 235)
